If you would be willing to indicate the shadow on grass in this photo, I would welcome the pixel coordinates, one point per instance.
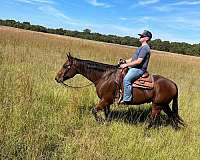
(135, 116)
(132, 116)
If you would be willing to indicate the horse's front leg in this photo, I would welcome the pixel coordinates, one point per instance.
(107, 112)
(101, 105)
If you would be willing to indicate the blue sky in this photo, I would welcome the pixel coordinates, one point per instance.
(167, 19)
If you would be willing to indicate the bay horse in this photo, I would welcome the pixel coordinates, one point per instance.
(103, 76)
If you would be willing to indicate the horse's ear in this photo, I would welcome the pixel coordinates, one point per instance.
(69, 56)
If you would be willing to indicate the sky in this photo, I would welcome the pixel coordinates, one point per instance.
(177, 21)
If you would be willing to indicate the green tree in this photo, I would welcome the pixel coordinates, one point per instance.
(88, 31)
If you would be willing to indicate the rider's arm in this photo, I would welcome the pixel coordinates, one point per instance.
(132, 64)
(129, 60)
(135, 62)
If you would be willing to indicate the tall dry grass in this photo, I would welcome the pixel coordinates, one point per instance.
(39, 119)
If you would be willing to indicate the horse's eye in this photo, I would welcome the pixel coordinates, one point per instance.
(66, 66)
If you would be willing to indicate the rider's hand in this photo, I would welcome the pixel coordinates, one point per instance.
(121, 61)
(123, 66)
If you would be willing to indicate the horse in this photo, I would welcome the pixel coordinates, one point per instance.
(103, 76)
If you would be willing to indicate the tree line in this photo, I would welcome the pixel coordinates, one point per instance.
(157, 44)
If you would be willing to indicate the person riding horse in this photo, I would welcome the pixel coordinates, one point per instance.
(103, 76)
(137, 65)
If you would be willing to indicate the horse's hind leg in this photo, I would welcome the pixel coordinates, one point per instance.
(154, 117)
(172, 118)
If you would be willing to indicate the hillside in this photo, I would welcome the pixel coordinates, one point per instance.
(40, 119)
(6, 28)
(157, 44)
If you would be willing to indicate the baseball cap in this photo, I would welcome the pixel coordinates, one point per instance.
(146, 33)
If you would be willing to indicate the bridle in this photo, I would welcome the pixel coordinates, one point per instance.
(75, 87)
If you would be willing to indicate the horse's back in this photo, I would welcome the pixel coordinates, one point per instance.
(160, 80)
(164, 89)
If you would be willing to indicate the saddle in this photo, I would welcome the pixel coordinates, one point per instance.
(146, 81)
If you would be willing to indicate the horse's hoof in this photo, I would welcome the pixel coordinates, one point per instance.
(108, 123)
(176, 128)
(108, 119)
(100, 120)
(146, 132)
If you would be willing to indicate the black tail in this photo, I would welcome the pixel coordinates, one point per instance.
(175, 105)
(176, 117)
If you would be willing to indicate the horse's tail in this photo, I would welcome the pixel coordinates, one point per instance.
(175, 105)
(176, 116)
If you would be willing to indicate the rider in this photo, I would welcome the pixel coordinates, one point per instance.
(137, 65)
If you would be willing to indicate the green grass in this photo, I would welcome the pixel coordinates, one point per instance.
(40, 119)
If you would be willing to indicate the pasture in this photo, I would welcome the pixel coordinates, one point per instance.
(40, 119)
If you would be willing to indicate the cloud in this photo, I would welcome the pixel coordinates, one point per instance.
(165, 8)
(185, 3)
(143, 3)
(123, 30)
(142, 19)
(25, 1)
(98, 4)
(146, 2)
(47, 7)
(50, 10)
(173, 27)
(36, 1)
(123, 18)
(177, 22)
(172, 6)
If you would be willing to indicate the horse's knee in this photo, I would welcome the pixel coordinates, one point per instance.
(155, 112)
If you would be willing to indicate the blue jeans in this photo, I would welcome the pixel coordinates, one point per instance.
(132, 75)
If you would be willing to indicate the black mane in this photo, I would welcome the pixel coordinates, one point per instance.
(97, 65)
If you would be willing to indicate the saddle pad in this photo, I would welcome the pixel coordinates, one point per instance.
(146, 79)
(145, 83)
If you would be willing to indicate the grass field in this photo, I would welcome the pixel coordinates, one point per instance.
(40, 119)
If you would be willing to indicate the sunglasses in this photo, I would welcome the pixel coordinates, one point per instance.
(142, 36)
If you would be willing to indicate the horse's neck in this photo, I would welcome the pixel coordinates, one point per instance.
(89, 73)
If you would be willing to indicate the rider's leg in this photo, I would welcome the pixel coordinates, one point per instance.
(132, 75)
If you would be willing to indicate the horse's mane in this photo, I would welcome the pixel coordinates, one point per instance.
(108, 70)
(96, 65)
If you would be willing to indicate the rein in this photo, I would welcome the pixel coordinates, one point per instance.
(66, 85)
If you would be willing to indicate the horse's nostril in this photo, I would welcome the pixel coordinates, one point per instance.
(57, 79)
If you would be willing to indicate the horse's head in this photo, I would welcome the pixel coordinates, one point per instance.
(67, 71)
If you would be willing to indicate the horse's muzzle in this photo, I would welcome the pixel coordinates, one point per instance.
(59, 80)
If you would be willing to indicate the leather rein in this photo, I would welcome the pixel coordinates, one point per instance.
(76, 87)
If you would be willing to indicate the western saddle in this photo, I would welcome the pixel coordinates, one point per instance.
(146, 81)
